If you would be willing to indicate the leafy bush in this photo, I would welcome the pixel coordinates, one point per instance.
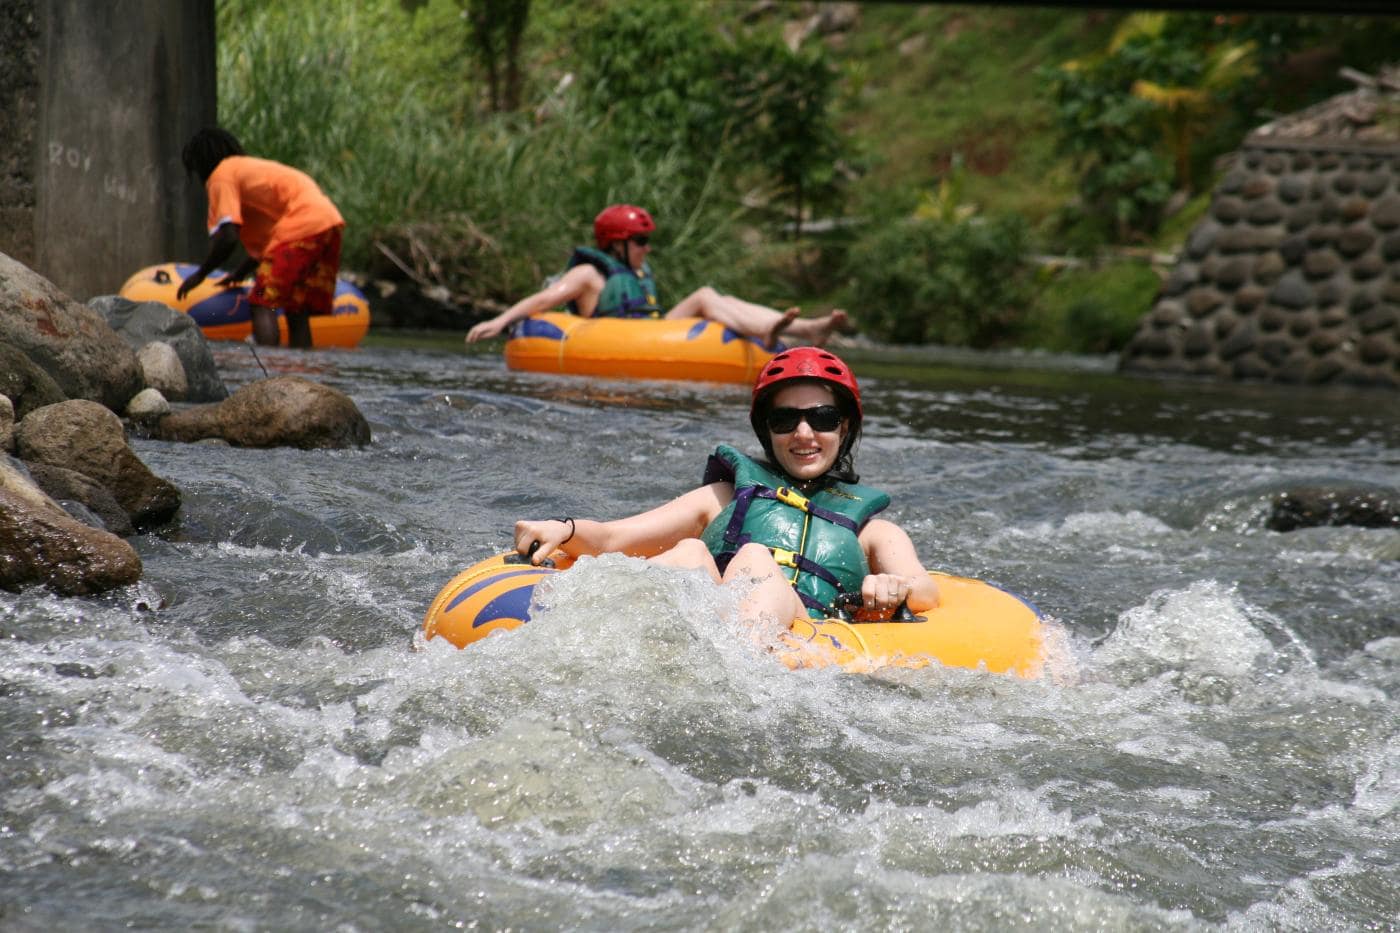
(1123, 179)
(1135, 115)
(656, 68)
(1093, 309)
(745, 107)
(939, 279)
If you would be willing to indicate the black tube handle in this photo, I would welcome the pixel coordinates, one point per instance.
(846, 604)
(518, 558)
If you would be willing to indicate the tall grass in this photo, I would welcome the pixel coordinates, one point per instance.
(327, 89)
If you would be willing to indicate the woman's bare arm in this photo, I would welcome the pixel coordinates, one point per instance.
(643, 535)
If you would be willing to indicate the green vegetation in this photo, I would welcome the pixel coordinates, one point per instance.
(939, 272)
(904, 165)
(1092, 309)
(1132, 114)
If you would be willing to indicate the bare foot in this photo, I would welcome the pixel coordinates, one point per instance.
(835, 322)
(783, 323)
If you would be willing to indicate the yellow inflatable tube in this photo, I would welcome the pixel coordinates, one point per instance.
(224, 313)
(634, 348)
(976, 625)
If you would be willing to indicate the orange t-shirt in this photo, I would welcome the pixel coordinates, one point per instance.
(272, 203)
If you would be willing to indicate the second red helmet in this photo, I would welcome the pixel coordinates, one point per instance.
(805, 363)
(620, 221)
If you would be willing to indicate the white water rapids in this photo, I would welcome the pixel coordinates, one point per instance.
(271, 746)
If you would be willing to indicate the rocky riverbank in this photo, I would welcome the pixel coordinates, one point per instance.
(71, 487)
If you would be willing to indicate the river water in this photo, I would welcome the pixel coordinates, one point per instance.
(254, 739)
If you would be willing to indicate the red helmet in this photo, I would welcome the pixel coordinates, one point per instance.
(620, 221)
(806, 363)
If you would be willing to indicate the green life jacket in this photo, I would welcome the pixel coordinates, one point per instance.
(813, 538)
(626, 292)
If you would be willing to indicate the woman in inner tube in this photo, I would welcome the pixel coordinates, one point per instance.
(796, 529)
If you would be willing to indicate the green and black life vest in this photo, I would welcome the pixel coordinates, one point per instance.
(814, 538)
(626, 292)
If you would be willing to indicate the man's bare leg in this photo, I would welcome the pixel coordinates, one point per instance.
(299, 331)
(265, 326)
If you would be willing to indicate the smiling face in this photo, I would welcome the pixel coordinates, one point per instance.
(804, 453)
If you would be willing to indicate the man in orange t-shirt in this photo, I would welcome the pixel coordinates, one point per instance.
(289, 228)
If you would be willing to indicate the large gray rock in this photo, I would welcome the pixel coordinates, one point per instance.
(284, 411)
(1340, 504)
(14, 479)
(162, 370)
(64, 486)
(69, 341)
(83, 436)
(26, 385)
(42, 544)
(144, 322)
(7, 424)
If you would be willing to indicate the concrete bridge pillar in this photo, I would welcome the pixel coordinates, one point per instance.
(101, 97)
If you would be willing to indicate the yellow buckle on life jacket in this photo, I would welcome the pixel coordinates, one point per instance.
(785, 558)
(791, 497)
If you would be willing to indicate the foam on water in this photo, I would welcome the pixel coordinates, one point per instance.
(1202, 630)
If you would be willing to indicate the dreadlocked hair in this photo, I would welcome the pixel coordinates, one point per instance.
(207, 148)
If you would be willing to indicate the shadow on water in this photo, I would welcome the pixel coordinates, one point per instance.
(1055, 400)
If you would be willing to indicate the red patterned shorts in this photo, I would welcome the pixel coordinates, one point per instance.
(299, 277)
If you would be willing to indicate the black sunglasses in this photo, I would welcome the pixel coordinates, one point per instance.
(820, 418)
(641, 239)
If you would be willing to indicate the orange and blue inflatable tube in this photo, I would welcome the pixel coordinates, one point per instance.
(225, 313)
(490, 596)
(634, 348)
(976, 625)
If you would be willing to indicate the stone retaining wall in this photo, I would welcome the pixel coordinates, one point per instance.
(1294, 276)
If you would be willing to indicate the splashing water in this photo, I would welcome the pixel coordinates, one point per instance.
(258, 736)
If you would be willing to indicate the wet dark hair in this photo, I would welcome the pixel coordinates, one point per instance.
(207, 148)
(844, 469)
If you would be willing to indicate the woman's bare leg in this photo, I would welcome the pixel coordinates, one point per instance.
(771, 597)
(818, 330)
(690, 554)
(758, 321)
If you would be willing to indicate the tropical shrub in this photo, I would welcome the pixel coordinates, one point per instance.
(745, 108)
(666, 112)
(1094, 309)
(1133, 116)
(942, 279)
(490, 206)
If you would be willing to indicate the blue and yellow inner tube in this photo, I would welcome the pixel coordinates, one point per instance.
(634, 348)
(225, 313)
(976, 625)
